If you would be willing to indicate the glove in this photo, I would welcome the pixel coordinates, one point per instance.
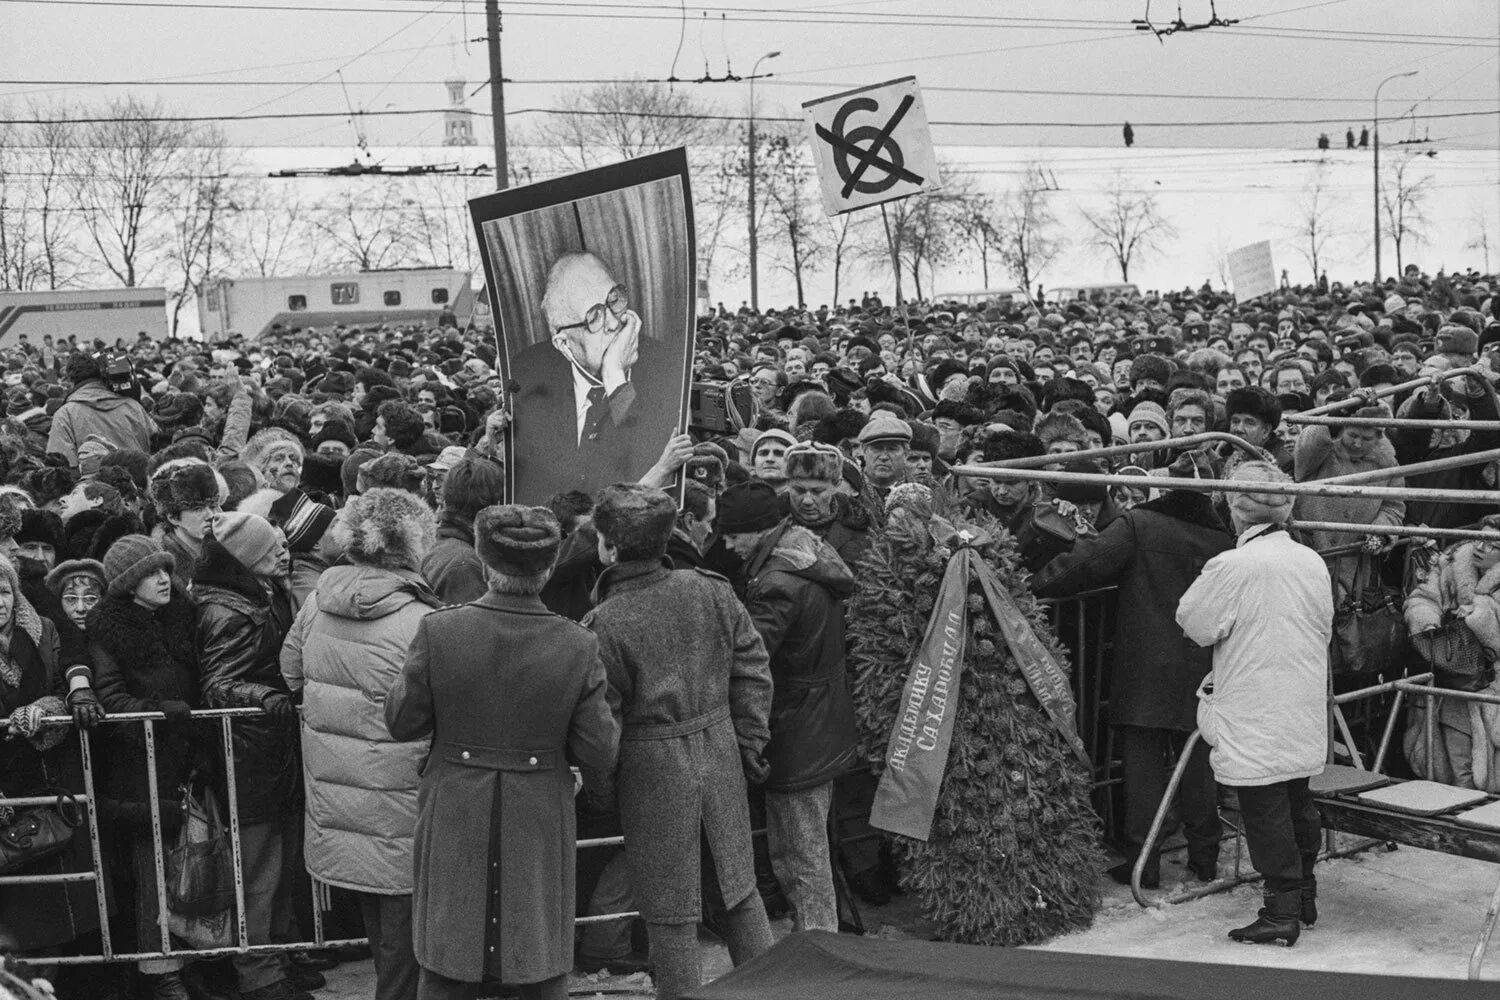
(278, 706)
(756, 768)
(176, 711)
(87, 712)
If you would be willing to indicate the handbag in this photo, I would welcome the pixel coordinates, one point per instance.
(30, 835)
(200, 868)
(1458, 659)
(1369, 629)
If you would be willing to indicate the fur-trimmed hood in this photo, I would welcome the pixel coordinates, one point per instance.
(366, 593)
(795, 550)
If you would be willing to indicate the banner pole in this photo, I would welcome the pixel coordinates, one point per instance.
(890, 243)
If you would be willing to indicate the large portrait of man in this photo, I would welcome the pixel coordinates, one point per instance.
(591, 283)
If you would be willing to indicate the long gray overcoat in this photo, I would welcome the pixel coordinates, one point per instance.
(511, 694)
(694, 685)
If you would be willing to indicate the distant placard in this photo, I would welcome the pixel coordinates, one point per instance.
(1251, 271)
(872, 145)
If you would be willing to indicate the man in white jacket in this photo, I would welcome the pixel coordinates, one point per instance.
(1266, 606)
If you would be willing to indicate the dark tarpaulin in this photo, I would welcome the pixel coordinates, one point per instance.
(817, 965)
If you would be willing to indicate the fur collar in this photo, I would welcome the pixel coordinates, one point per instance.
(128, 630)
(1194, 508)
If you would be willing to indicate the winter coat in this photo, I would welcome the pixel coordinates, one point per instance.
(92, 408)
(494, 849)
(183, 557)
(570, 590)
(240, 630)
(690, 697)
(1466, 749)
(451, 567)
(795, 595)
(682, 553)
(307, 569)
(344, 652)
(1266, 607)
(42, 916)
(142, 658)
(1415, 445)
(1153, 553)
(1319, 456)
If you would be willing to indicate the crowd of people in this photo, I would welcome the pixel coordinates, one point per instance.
(314, 525)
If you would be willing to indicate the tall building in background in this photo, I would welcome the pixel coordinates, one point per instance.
(458, 120)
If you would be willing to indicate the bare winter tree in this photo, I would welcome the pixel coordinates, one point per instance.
(37, 221)
(437, 210)
(123, 161)
(1316, 208)
(1482, 239)
(366, 227)
(1029, 241)
(202, 200)
(852, 237)
(629, 118)
(1128, 226)
(975, 217)
(794, 231)
(1403, 201)
(268, 232)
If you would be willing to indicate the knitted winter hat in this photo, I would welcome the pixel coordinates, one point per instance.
(774, 434)
(65, 571)
(746, 508)
(302, 518)
(1150, 413)
(810, 460)
(249, 538)
(130, 560)
(513, 540)
(1260, 508)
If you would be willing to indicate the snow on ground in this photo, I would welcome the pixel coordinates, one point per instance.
(1404, 912)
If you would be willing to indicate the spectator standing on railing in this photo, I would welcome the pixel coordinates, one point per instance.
(37, 760)
(140, 639)
(1266, 608)
(694, 700)
(344, 654)
(511, 695)
(244, 612)
(1153, 553)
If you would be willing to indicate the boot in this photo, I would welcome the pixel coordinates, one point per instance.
(1277, 920)
(169, 986)
(1150, 875)
(1309, 890)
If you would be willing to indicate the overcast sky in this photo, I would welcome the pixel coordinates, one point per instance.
(1286, 61)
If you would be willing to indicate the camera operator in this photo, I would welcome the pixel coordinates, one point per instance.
(104, 401)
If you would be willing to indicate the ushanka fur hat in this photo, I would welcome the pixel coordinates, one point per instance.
(186, 484)
(810, 460)
(517, 541)
(635, 519)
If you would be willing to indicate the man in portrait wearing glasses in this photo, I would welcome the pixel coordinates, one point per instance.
(597, 400)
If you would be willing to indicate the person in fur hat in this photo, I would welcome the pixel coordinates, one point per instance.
(187, 495)
(694, 700)
(814, 474)
(141, 642)
(795, 589)
(344, 652)
(276, 456)
(503, 731)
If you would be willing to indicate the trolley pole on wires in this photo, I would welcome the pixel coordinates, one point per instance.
(497, 92)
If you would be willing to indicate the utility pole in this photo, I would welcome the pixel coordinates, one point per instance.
(1376, 139)
(497, 92)
(754, 237)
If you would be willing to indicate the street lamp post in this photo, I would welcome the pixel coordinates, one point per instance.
(1376, 137)
(754, 241)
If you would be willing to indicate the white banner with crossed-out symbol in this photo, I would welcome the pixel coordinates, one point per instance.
(872, 144)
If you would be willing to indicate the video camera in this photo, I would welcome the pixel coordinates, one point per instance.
(116, 371)
(722, 407)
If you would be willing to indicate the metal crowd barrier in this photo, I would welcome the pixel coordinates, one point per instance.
(1081, 623)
